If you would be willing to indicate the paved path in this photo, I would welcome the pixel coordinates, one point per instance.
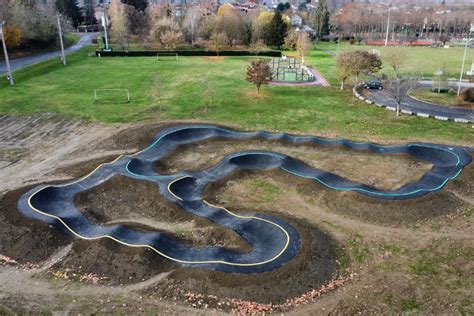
(86, 39)
(421, 108)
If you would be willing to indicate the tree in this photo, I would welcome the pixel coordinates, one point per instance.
(345, 64)
(291, 39)
(399, 88)
(139, 5)
(321, 19)
(259, 73)
(70, 9)
(303, 45)
(281, 7)
(217, 42)
(13, 36)
(276, 31)
(396, 57)
(443, 38)
(166, 29)
(365, 63)
(231, 23)
(257, 47)
(191, 22)
(119, 24)
(36, 22)
(171, 38)
(89, 12)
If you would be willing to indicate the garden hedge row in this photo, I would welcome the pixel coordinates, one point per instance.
(271, 53)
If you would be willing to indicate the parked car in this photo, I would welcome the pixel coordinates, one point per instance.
(373, 84)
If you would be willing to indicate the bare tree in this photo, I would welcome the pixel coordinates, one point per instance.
(259, 73)
(345, 64)
(257, 47)
(399, 88)
(396, 57)
(119, 24)
(291, 39)
(217, 42)
(303, 45)
(171, 38)
(191, 22)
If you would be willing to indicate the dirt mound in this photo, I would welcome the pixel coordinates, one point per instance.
(23, 239)
(139, 204)
(382, 171)
(240, 189)
(314, 265)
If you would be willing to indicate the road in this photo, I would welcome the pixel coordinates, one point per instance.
(416, 106)
(86, 39)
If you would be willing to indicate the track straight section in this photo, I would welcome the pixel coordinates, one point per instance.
(274, 242)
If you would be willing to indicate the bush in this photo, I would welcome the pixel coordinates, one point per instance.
(467, 95)
(270, 53)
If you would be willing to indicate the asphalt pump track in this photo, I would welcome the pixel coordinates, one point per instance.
(273, 241)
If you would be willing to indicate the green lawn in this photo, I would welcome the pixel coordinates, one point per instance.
(189, 84)
(447, 98)
(422, 61)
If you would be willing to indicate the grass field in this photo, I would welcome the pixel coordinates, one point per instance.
(188, 85)
(449, 99)
(422, 61)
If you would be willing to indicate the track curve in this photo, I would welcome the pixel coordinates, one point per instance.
(273, 241)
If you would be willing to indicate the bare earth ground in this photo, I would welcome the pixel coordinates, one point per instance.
(388, 256)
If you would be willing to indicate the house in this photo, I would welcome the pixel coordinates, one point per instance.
(296, 20)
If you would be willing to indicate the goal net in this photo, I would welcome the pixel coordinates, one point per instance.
(111, 95)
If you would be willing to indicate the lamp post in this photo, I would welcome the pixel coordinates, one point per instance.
(471, 30)
(5, 52)
(61, 40)
(388, 25)
(105, 23)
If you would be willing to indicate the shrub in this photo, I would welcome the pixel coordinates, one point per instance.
(467, 95)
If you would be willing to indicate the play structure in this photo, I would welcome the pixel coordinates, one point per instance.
(288, 69)
(274, 242)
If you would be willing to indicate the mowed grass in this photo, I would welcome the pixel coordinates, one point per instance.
(188, 85)
(421, 61)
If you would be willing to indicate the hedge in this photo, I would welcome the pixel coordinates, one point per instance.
(147, 53)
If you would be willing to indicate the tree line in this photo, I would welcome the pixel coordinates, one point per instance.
(33, 23)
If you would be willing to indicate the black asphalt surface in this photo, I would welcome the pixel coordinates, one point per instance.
(417, 106)
(15, 64)
(274, 242)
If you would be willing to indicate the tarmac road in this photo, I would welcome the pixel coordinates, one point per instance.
(417, 106)
(86, 39)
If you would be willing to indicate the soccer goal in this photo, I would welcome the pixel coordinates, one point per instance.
(111, 95)
(167, 56)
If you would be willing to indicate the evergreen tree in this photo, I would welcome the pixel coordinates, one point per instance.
(89, 12)
(69, 9)
(276, 31)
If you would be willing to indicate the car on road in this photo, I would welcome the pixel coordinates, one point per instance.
(373, 84)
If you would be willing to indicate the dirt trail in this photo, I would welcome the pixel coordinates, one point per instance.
(33, 146)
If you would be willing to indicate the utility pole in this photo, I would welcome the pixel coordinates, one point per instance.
(105, 22)
(388, 26)
(5, 52)
(61, 40)
(471, 30)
